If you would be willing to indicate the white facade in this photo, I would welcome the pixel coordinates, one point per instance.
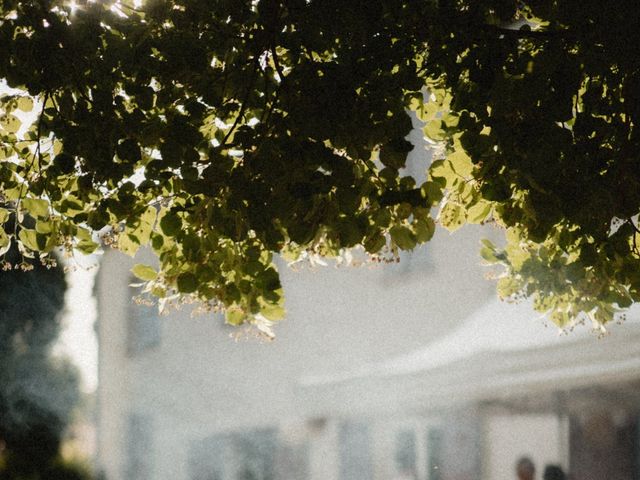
(377, 372)
(197, 381)
(542, 437)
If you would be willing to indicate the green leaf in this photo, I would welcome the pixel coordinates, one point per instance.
(273, 312)
(10, 123)
(65, 162)
(428, 111)
(235, 316)
(424, 229)
(394, 154)
(129, 150)
(32, 240)
(144, 272)
(45, 226)
(13, 193)
(460, 163)
(443, 169)
(479, 212)
(488, 254)
(71, 206)
(4, 239)
(187, 283)
(142, 227)
(452, 216)
(433, 191)
(36, 207)
(171, 224)
(403, 237)
(4, 215)
(5, 242)
(507, 287)
(434, 130)
(57, 147)
(375, 242)
(158, 291)
(86, 244)
(25, 104)
(127, 244)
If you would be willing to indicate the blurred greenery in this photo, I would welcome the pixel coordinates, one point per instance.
(38, 392)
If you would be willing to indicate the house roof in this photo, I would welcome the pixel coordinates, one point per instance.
(501, 349)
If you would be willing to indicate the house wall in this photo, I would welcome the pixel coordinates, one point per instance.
(113, 393)
(198, 381)
(506, 438)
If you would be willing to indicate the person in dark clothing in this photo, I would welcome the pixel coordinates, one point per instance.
(553, 472)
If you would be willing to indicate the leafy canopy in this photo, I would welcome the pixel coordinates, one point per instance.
(220, 132)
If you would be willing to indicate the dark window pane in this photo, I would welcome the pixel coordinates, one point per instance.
(406, 451)
(434, 454)
(254, 454)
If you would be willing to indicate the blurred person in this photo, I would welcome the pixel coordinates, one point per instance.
(553, 472)
(525, 469)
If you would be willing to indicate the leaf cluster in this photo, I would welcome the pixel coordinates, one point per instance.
(221, 133)
(545, 104)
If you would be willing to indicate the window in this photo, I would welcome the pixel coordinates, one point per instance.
(405, 457)
(355, 451)
(253, 455)
(143, 325)
(453, 448)
(293, 462)
(138, 446)
(235, 456)
(206, 459)
(434, 458)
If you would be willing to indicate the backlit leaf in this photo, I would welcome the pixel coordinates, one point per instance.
(144, 272)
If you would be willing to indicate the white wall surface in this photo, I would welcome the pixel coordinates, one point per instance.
(509, 437)
(198, 381)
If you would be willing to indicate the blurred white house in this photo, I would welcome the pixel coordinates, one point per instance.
(412, 370)
(405, 371)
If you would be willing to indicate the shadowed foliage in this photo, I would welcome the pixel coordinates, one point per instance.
(222, 132)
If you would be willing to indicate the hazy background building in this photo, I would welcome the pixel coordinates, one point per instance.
(379, 371)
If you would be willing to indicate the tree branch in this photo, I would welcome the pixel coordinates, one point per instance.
(276, 63)
(243, 108)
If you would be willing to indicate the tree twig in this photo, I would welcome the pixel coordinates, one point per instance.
(243, 107)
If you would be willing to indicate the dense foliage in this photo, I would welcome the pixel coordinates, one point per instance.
(221, 132)
(37, 391)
